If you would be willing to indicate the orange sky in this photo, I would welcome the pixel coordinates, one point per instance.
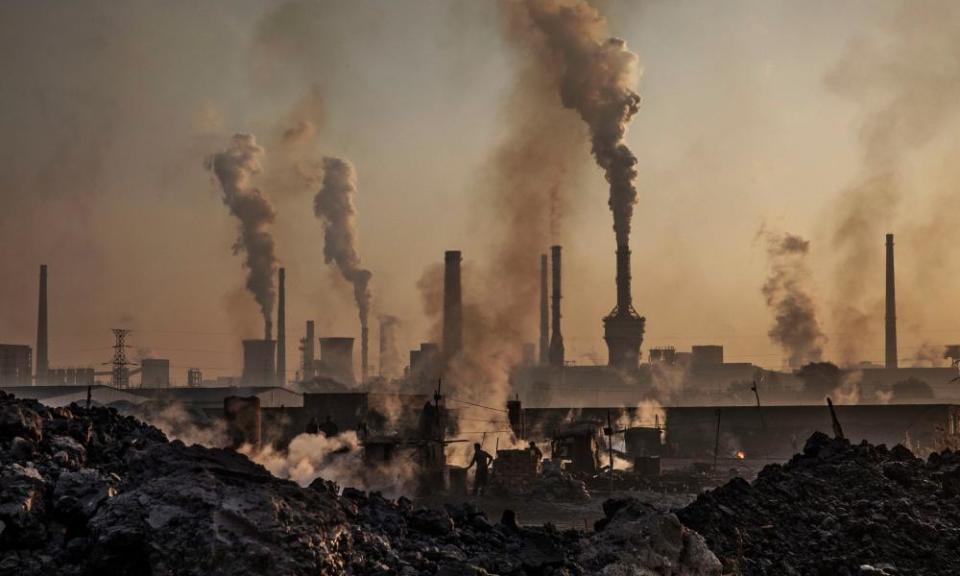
(112, 109)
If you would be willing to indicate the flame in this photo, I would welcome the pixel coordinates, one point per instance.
(741, 455)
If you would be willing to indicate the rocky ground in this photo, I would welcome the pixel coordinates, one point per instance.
(92, 492)
(838, 509)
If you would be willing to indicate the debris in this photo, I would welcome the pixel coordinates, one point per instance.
(838, 508)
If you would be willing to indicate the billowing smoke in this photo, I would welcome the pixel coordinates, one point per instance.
(596, 76)
(787, 293)
(233, 168)
(339, 459)
(909, 86)
(334, 205)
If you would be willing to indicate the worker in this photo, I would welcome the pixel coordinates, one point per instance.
(313, 426)
(536, 455)
(329, 428)
(482, 460)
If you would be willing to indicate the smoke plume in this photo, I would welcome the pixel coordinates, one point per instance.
(233, 168)
(795, 328)
(596, 78)
(909, 86)
(334, 205)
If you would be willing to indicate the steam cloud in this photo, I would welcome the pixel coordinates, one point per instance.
(795, 327)
(910, 87)
(234, 167)
(334, 205)
(597, 73)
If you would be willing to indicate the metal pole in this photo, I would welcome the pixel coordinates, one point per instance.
(716, 444)
(610, 447)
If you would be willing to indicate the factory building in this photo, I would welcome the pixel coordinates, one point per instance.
(16, 365)
(154, 373)
(70, 377)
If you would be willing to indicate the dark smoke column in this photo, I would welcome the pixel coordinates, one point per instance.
(334, 205)
(595, 77)
(891, 319)
(234, 167)
(452, 307)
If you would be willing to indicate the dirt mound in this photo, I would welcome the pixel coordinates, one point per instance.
(838, 509)
(87, 491)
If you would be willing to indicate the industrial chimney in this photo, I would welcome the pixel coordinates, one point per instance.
(623, 328)
(891, 320)
(544, 314)
(364, 352)
(452, 307)
(281, 329)
(308, 353)
(556, 337)
(43, 360)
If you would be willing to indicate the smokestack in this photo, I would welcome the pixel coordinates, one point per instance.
(544, 314)
(556, 338)
(452, 307)
(364, 351)
(309, 352)
(891, 320)
(281, 328)
(43, 362)
(623, 327)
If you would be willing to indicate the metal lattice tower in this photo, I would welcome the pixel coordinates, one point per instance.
(119, 362)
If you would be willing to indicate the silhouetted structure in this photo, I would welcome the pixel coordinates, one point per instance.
(452, 307)
(43, 359)
(544, 313)
(259, 368)
(891, 319)
(623, 328)
(281, 328)
(556, 336)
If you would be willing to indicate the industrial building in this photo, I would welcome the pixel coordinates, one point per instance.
(16, 365)
(154, 373)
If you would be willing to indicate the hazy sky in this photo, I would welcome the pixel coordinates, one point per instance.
(754, 113)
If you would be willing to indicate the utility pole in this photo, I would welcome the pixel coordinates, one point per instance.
(119, 361)
(716, 442)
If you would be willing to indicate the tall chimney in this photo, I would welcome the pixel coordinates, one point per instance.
(452, 307)
(544, 314)
(281, 329)
(891, 320)
(43, 361)
(556, 337)
(309, 352)
(623, 328)
(364, 352)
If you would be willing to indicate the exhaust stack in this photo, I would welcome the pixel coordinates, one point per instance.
(281, 329)
(544, 314)
(891, 319)
(452, 307)
(556, 338)
(623, 328)
(43, 360)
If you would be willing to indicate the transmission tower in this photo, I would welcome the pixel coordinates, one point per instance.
(120, 363)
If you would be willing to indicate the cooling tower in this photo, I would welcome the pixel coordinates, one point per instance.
(259, 368)
(336, 359)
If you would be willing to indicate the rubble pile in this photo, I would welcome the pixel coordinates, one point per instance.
(690, 480)
(838, 508)
(557, 485)
(87, 491)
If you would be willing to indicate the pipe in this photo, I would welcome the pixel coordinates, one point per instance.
(891, 319)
